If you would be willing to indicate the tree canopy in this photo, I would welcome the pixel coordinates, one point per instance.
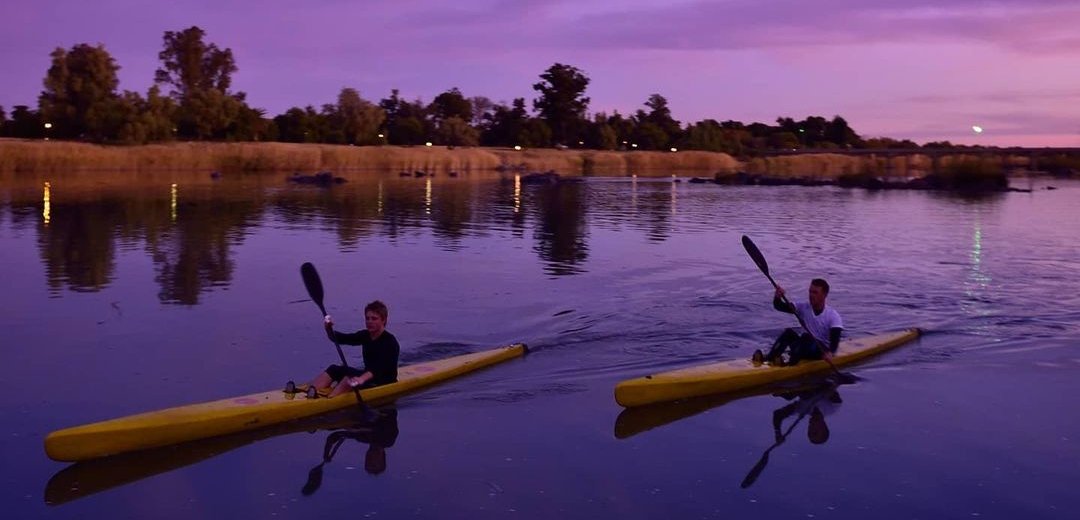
(562, 102)
(80, 100)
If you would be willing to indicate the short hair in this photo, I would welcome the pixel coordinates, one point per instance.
(820, 282)
(379, 308)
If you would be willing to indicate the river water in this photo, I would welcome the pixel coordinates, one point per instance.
(169, 289)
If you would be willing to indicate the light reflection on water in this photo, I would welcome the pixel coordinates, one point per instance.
(186, 288)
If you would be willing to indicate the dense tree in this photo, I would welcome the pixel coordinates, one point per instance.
(298, 125)
(191, 65)
(512, 126)
(562, 102)
(455, 131)
(840, 133)
(783, 140)
(136, 120)
(407, 131)
(406, 123)
(888, 142)
(358, 119)
(937, 144)
(80, 90)
(450, 104)
(599, 135)
(25, 123)
(712, 136)
(250, 124)
(660, 123)
(200, 75)
(3, 121)
(648, 136)
(482, 108)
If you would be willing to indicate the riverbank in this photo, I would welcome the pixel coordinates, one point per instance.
(19, 156)
(60, 157)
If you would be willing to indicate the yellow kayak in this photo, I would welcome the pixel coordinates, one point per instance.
(741, 374)
(210, 419)
(94, 476)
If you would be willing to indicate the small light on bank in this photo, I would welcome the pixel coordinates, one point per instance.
(673, 149)
(427, 143)
(517, 147)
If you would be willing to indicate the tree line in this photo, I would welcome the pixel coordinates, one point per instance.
(192, 99)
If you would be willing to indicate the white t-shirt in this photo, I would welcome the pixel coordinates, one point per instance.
(818, 325)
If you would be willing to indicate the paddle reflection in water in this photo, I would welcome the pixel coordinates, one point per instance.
(379, 434)
(94, 476)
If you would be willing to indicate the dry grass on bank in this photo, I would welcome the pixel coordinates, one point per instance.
(61, 157)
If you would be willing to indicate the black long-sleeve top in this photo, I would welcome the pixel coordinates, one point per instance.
(380, 355)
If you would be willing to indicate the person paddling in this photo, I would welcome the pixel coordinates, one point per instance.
(380, 353)
(823, 323)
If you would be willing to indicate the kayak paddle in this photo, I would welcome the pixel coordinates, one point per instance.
(315, 289)
(759, 259)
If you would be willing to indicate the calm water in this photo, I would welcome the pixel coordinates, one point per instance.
(179, 289)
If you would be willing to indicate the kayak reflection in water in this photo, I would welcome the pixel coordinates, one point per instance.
(817, 403)
(379, 434)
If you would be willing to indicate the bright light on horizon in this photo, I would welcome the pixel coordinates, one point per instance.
(977, 129)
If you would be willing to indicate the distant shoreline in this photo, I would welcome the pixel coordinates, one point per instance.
(19, 157)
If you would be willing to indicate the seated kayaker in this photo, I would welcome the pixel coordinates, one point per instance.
(823, 322)
(380, 353)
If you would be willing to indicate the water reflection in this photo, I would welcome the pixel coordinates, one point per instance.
(378, 434)
(816, 403)
(561, 234)
(46, 206)
(189, 227)
(633, 421)
(95, 476)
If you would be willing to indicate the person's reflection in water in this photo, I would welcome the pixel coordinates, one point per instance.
(379, 434)
(816, 402)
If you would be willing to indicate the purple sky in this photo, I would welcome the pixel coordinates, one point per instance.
(918, 69)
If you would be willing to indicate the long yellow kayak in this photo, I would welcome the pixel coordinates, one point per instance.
(741, 374)
(210, 419)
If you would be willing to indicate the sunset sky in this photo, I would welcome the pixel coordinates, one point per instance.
(916, 69)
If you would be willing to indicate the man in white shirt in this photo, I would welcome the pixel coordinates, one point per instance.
(823, 328)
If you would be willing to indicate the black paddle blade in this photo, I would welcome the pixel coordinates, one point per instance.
(314, 478)
(313, 284)
(755, 254)
(755, 471)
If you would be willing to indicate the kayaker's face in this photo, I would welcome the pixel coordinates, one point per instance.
(817, 297)
(374, 323)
